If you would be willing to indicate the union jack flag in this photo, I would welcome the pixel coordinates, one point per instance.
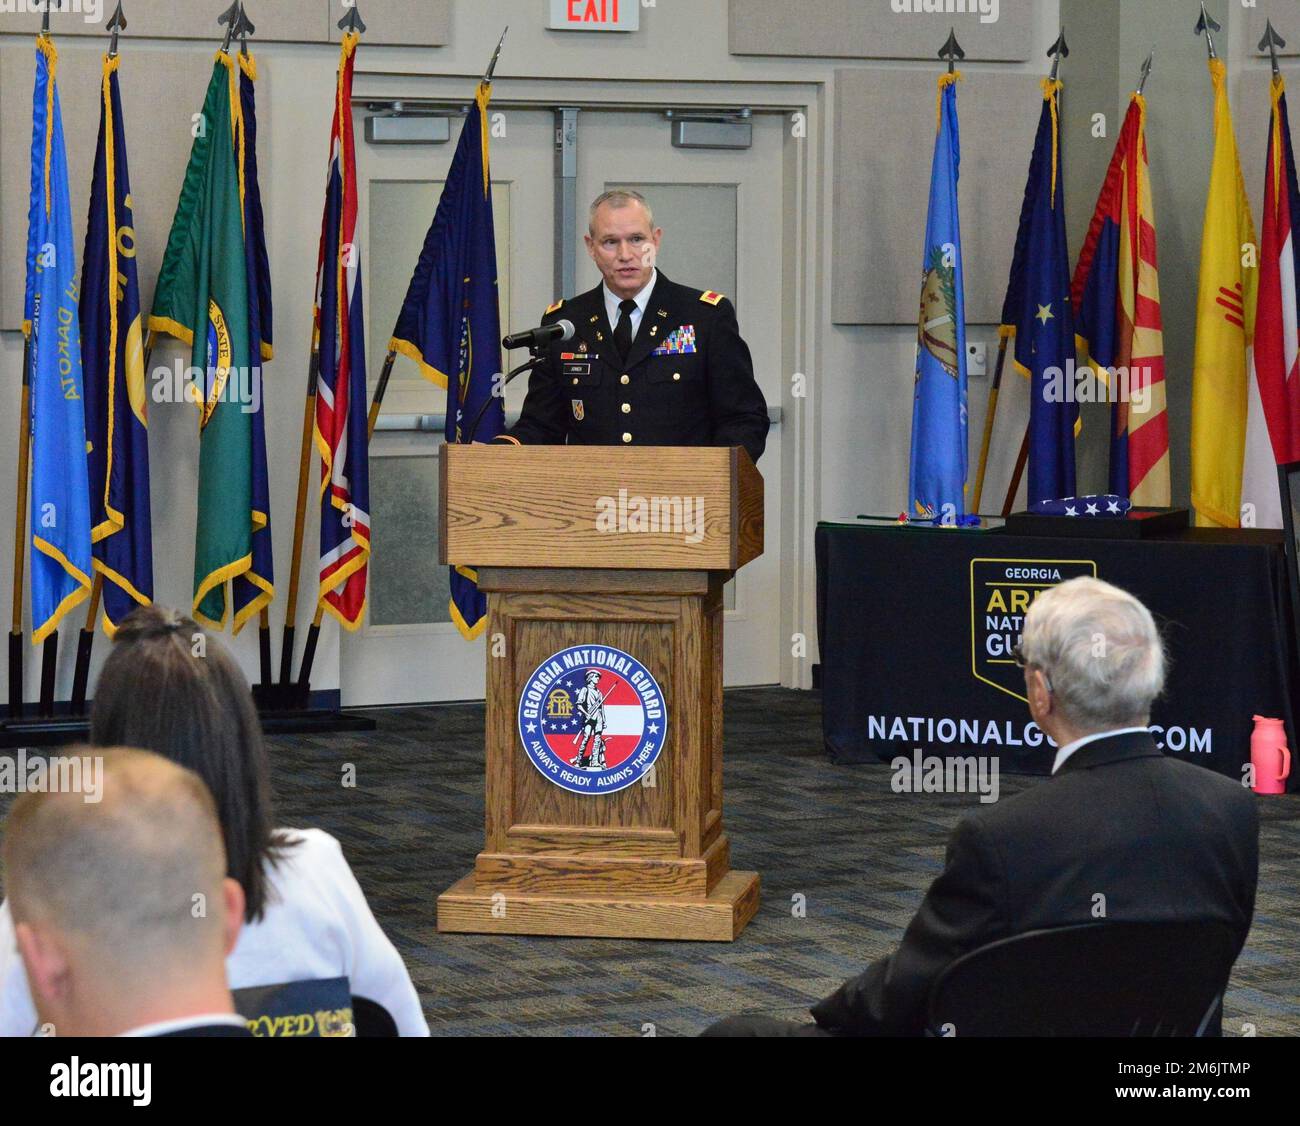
(341, 433)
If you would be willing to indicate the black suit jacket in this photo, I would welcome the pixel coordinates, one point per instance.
(586, 394)
(1163, 840)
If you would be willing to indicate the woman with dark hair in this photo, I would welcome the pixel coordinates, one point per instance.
(169, 688)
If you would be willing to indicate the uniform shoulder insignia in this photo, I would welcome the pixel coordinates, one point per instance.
(711, 298)
(555, 308)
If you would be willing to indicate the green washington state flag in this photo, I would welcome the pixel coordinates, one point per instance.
(203, 299)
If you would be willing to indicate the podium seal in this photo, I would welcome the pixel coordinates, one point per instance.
(592, 719)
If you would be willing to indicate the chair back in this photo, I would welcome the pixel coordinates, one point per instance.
(370, 1018)
(1095, 979)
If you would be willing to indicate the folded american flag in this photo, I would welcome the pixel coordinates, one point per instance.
(1103, 505)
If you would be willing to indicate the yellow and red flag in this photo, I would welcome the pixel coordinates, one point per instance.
(1116, 294)
(1225, 328)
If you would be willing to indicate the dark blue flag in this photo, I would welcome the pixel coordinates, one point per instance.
(112, 360)
(450, 324)
(1039, 313)
(254, 588)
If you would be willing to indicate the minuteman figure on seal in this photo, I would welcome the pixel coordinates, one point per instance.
(591, 709)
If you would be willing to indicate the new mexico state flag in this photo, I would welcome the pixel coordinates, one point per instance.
(1225, 328)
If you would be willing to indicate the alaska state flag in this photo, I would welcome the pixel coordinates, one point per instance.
(450, 323)
(1116, 294)
(60, 513)
(112, 357)
(1038, 313)
(939, 448)
(341, 430)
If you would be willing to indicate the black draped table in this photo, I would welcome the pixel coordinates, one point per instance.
(916, 628)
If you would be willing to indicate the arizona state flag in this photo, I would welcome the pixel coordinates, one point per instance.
(112, 359)
(1225, 328)
(60, 516)
(341, 431)
(1116, 295)
(1275, 391)
(205, 284)
(1038, 312)
(450, 322)
(939, 418)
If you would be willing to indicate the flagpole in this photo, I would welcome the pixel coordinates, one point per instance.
(50, 650)
(300, 517)
(16, 639)
(243, 27)
(1057, 51)
(1019, 471)
(86, 642)
(989, 416)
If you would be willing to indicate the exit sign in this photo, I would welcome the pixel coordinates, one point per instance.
(595, 15)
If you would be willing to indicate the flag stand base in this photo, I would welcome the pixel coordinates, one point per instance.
(61, 730)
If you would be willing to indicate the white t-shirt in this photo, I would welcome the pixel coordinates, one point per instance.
(316, 924)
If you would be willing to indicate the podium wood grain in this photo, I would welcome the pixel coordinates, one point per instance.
(651, 860)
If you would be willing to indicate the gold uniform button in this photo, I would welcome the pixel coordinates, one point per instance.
(627, 437)
(625, 380)
(627, 408)
(575, 383)
(677, 375)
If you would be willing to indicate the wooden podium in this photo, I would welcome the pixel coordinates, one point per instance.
(626, 551)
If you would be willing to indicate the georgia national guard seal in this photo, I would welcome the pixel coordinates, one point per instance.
(592, 719)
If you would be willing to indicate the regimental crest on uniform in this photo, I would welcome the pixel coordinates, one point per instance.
(592, 719)
(579, 409)
(679, 342)
(711, 298)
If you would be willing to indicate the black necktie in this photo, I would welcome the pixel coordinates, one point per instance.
(623, 330)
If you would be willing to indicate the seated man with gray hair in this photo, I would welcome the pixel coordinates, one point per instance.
(122, 909)
(1161, 840)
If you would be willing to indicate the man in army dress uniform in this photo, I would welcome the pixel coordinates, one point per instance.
(652, 363)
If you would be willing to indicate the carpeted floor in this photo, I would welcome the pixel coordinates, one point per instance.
(844, 862)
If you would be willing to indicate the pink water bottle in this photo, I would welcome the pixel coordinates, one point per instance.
(1269, 756)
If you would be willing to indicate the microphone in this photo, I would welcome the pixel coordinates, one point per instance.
(539, 337)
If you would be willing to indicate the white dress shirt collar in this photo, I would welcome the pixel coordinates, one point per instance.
(642, 299)
(1070, 748)
(203, 1020)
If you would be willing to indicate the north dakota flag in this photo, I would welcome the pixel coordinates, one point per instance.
(208, 282)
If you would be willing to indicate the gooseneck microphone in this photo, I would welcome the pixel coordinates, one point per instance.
(539, 337)
(536, 341)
